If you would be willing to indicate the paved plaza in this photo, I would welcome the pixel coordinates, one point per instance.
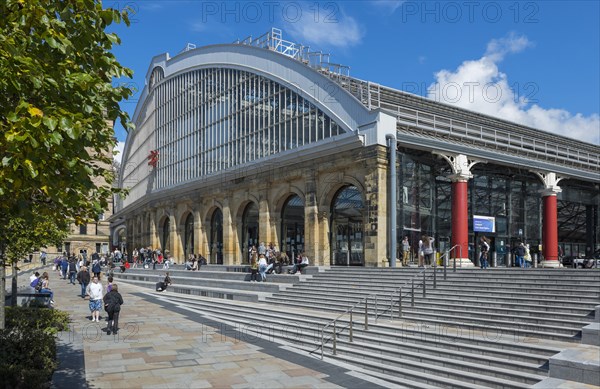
(162, 346)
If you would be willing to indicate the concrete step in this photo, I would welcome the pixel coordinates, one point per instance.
(264, 287)
(314, 284)
(397, 337)
(218, 293)
(487, 369)
(434, 297)
(217, 275)
(566, 334)
(501, 280)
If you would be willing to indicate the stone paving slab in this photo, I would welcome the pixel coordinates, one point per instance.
(160, 346)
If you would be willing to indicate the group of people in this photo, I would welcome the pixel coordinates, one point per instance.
(194, 262)
(425, 252)
(146, 256)
(111, 301)
(268, 259)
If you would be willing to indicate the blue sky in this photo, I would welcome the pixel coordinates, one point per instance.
(532, 62)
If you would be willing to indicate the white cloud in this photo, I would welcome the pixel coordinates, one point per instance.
(389, 5)
(119, 148)
(330, 29)
(480, 86)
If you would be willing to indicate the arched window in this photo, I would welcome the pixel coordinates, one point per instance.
(292, 226)
(216, 237)
(250, 229)
(166, 233)
(347, 214)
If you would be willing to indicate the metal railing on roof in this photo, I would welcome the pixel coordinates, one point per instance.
(273, 40)
(497, 135)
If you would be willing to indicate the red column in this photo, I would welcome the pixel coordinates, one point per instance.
(550, 229)
(460, 219)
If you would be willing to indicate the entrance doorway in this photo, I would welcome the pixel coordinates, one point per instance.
(292, 227)
(216, 237)
(347, 228)
(250, 228)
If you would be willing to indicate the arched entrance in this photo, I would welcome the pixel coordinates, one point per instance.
(165, 235)
(216, 237)
(347, 228)
(249, 230)
(292, 226)
(188, 236)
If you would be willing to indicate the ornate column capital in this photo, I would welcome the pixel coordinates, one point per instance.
(461, 166)
(550, 181)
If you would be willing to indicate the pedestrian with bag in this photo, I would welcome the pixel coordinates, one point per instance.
(484, 249)
(112, 304)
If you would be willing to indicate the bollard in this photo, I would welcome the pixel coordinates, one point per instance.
(434, 277)
(535, 260)
(454, 265)
(494, 259)
(445, 269)
(322, 342)
(424, 285)
(400, 304)
(412, 293)
(334, 339)
(376, 309)
(366, 314)
(350, 330)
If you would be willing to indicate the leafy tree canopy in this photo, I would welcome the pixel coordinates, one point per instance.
(57, 105)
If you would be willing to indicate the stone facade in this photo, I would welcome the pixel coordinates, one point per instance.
(316, 182)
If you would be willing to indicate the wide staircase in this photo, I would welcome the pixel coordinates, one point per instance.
(408, 327)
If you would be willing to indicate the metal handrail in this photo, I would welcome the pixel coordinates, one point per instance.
(350, 309)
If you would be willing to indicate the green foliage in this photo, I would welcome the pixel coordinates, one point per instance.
(27, 359)
(57, 103)
(23, 237)
(50, 321)
(28, 346)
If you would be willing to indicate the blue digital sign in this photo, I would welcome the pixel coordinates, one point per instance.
(484, 224)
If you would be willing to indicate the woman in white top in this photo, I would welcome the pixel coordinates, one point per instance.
(95, 293)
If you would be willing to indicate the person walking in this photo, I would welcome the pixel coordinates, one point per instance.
(253, 268)
(484, 249)
(112, 304)
(96, 269)
(72, 271)
(427, 249)
(95, 292)
(262, 267)
(520, 255)
(83, 277)
(405, 251)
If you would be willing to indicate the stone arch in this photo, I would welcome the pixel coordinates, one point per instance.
(117, 231)
(163, 229)
(247, 218)
(282, 196)
(330, 190)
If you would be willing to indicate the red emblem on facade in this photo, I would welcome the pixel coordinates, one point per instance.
(153, 158)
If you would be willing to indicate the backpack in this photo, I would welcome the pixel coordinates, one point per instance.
(36, 284)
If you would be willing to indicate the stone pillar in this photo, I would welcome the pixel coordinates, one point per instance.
(376, 207)
(153, 241)
(175, 248)
(461, 174)
(311, 228)
(549, 221)
(231, 255)
(198, 235)
(264, 217)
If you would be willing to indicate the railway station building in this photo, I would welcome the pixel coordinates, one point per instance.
(263, 140)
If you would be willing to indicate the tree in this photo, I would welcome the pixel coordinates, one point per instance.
(56, 103)
(23, 237)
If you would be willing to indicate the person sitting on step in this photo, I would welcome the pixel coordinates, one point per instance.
(301, 263)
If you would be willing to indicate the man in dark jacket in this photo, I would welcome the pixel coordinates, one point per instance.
(83, 277)
(112, 304)
(72, 270)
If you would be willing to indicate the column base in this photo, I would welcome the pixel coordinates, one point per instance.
(550, 264)
(460, 263)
